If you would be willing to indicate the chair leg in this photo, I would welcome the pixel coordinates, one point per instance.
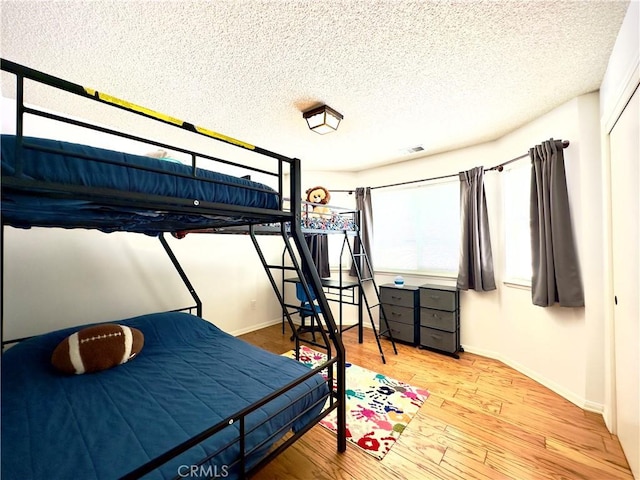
(302, 327)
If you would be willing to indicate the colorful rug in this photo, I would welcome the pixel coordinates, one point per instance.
(378, 407)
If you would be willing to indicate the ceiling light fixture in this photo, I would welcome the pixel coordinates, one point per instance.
(323, 119)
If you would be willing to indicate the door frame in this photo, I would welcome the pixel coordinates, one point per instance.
(607, 123)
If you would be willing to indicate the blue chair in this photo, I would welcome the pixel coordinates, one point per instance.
(307, 308)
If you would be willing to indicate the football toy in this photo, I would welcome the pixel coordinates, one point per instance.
(97, 348)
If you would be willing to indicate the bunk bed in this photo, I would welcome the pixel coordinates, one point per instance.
(187, 404)
(316, 226)
(339, 221)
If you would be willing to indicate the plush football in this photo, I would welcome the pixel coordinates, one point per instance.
(97, 348)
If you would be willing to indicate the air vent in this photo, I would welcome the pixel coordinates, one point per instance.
(410, 150)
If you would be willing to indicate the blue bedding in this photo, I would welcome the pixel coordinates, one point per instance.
(189, 376)
(27, 210)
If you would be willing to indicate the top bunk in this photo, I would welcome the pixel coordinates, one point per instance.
(315, 219)
(47, 182)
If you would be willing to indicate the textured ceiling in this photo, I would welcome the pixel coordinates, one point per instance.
(443, 75)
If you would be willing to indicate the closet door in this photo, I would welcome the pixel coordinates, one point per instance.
(625, 188)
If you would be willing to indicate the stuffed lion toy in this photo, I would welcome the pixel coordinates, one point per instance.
(320, 196)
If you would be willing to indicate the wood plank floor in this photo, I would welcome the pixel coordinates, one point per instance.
(483, 420)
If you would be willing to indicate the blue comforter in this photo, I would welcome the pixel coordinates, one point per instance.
(171, 180)
(189, 376)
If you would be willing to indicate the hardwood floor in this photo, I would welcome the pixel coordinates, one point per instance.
(483, 420)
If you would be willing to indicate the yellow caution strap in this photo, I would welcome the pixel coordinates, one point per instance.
(224, 138)
(132, 106)
(161, 116)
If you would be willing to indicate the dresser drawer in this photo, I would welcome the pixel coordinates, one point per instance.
(398, 296)
(440, 319)
(401, 331)
(438, 339)
(395, 313)
(439, 299)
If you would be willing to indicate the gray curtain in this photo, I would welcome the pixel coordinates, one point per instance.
(363, 203)
(556, 276)
(476, 261)
(319, 248)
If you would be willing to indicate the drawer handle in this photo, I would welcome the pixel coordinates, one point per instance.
(434, 297)
(396, 298)
(436, 337)
(396, 314)
(435, 315)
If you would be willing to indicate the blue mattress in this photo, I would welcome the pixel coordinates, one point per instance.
(25, 210)
(189, 376)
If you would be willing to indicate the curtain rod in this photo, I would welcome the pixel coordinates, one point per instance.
(565, 144)
(499, 168)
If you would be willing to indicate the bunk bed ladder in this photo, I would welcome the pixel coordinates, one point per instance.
(288, 309)
(362, 266)
(307, 275)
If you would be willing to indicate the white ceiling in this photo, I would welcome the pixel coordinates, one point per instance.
(439, 74)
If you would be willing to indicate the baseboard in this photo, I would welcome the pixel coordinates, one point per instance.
(482, 352)
(594, 407)
(253, 327)
(577, 400)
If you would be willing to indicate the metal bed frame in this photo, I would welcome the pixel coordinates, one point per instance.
(293, 238)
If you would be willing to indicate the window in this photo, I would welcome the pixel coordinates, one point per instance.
(517, 236)
(336, 242)
(417, 229)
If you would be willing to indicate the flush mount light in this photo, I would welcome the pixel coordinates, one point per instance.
(323, 119)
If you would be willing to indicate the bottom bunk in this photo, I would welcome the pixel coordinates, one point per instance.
(189, 380)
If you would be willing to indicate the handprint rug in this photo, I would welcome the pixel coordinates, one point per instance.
(379, 408)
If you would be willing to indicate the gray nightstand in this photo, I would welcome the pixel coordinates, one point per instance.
(401, 308)
(440, 319)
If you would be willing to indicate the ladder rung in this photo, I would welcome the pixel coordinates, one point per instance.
(374, 306)
(295, 307)
(280, 267)
(366, 279)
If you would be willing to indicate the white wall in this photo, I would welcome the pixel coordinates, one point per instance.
(561, 345)
(557, 346)
(56, 278)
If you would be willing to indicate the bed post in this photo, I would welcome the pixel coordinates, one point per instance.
(312, 276)
(182, 274)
